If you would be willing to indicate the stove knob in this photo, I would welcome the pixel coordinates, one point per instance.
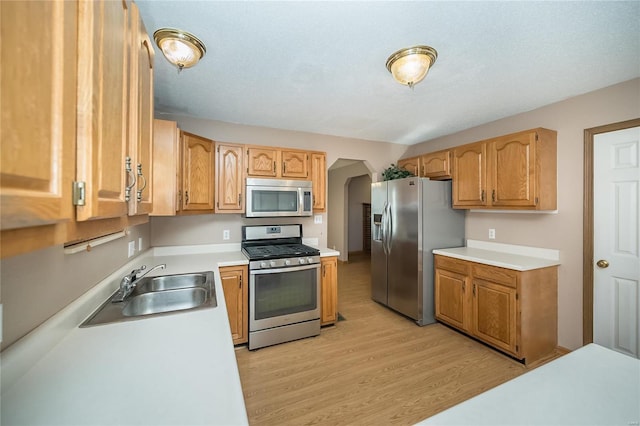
(310, 259)
(301, 261)
(273, 264)
(263, 264)
(287, 262)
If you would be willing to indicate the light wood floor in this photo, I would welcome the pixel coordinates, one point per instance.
(375, 367)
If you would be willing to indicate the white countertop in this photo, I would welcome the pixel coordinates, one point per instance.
(590, 386)
(172, 369)
(519, 258)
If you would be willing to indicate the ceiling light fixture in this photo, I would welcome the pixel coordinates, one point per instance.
(181, 48)
(409, 66)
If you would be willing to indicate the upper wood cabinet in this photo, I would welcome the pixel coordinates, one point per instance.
(411, 165)
(436, 165)
(37, 127)
(198, 160)
(470, 176)
(277, 163)
(229, 178)
(184, 169)
(262, 161)
(167, 170)
(295, 164)
(103, 71)
(319, 179)
(516, 171)
(141, 115)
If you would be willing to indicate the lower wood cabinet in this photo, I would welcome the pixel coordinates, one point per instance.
(329, 290)
(513, 311)
(236, 295)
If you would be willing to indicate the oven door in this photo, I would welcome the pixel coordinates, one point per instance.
(283, 296)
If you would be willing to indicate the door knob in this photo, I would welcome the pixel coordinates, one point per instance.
(602, 263)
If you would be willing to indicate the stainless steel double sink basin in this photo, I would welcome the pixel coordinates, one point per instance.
(159, 295)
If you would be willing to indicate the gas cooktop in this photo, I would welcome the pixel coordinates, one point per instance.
(276, 251)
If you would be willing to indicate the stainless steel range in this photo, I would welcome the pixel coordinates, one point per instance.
(284, 285)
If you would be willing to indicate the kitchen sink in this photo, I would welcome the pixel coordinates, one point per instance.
(164, 301)
(161, 295)
(170, 282)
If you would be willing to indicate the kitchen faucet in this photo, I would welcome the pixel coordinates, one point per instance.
(129, 282)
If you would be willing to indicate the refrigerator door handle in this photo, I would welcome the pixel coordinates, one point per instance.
(389, 232)
(383, 226)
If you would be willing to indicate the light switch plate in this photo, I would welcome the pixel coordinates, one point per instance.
(317, 219)
(140, 244)
(132, 248)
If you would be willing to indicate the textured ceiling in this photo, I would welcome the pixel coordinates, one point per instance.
(319, 66)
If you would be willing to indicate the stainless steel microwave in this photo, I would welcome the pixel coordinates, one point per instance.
(278, 197)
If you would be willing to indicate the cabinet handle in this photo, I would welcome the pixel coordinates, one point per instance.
(493, 195)
(130, 174)
(324, 270)
(482, 197)
(274, 167)
(139, 196)
(186, 197)
(239, 198)
(474, 290)
(284, 167)
(240, 284)
(464, 287)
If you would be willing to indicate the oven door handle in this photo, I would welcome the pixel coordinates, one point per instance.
(287, 269)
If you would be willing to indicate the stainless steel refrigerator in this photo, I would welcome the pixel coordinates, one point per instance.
(409, 218)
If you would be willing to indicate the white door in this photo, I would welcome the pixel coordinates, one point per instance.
(616, 213)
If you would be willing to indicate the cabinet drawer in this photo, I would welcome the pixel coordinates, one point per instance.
(495, 274)
(452, 264)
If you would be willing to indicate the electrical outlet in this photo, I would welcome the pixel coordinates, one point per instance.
(140, 244)
(226, 234)
(132, 248)
(492, 234)
(317, 219)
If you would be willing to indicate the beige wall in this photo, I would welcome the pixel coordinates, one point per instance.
(563, 230)
(36, 285)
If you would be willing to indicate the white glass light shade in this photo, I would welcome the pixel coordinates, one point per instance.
(410, 66)
(181, 48)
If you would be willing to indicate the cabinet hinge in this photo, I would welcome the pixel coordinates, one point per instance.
(218, 150)
(536, 137)
(517, 297)
(517, 348)
(79, 193)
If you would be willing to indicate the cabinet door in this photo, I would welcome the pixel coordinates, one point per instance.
(411, 165)
(38, 97)
(469, 176)
(494, 314)
(141, 115)
(329, 291)
(197, 173)
(234, 285)
(436, 165)
(103, 68)
(166, 168)
(451, 300)
(262, 162)
(229, 172)
(295, 164)
(513, 170)
(319, 178)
